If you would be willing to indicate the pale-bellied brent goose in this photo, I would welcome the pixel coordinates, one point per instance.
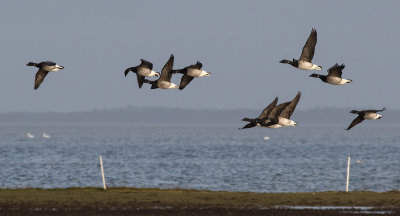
(44, 68)
(164, 82)
(334, 76)
(255, 122)
(282, 119)
(189, 73)
(306, 55)
(365, 114)
(145, 69)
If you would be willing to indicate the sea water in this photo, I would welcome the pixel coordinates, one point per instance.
(306, 158)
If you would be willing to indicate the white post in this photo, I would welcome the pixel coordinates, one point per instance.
(102, 173)
(348, 174)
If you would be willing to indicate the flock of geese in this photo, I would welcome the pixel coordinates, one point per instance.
(276, 116)
(145, 69)
(273, 116)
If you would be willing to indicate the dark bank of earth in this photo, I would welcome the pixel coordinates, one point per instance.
(131, 201)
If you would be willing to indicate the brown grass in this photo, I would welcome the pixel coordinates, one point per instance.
(162, 201)
(181, 197)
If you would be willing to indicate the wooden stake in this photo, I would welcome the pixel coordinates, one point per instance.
(102, 173)
(348, 174)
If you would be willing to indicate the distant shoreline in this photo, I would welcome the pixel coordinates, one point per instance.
(143, 201)
(140, 115)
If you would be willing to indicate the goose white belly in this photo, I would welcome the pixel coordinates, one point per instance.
(51, 68)
(194, 72)
(334, 80)
(284, 122)
(307, 66)
(143, 71)
(167, 85)
(147, 72)
(371, 116)
(274, 126)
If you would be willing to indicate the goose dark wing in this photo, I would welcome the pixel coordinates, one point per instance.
(249, 125)
(48, 63)
(374, 111)
(308, 50)
(336, 70)
(288, 111)
(147, 64)
(39, 77)
(140, 80)
(273, 115)
(153, 83)
(166, 70)
(276, 111)
(355, 122)
(134, 69)
(148, 81)
(185, 80)
(268, 109)
(181, 71)
(198, 65)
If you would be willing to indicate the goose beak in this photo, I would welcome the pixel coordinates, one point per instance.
(61, 67)
(157, 74)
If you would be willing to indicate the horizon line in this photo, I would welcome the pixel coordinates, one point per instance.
(178, 108)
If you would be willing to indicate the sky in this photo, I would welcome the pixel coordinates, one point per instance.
(239, 42)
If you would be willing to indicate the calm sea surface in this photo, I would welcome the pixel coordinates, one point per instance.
(301, 159)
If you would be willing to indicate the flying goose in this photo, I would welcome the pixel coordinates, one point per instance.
(282, 119)
(164, 81)
(334, 76)
(189, 73)
(365, 114)
(255, 122)
(145, 69)
(306, 55)
(44, 68)
(271, 121)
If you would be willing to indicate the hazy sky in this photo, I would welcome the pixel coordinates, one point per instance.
(240, 43)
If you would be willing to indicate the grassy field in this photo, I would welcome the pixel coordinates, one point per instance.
(160, 201)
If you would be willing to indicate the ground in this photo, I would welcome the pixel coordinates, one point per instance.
(133, 201)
